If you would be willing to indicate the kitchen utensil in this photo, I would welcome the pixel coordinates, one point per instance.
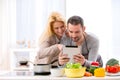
(41, 69)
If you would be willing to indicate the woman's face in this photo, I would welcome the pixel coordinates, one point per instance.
(58, 28)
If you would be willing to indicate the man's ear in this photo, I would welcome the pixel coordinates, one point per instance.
(84, 28)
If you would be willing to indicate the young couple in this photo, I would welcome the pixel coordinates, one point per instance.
(57, 34)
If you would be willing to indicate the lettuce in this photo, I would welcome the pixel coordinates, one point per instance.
(73, 65)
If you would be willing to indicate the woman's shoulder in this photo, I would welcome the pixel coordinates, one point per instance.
(51, 38)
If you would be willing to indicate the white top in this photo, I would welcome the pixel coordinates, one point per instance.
(28, 76)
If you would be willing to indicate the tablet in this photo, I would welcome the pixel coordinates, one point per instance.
(71, 50)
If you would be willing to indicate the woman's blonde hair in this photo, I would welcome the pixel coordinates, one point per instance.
(55, 16)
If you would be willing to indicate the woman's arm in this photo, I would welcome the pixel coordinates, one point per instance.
(47, 48)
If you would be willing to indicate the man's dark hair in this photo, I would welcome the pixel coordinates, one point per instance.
(75, 20)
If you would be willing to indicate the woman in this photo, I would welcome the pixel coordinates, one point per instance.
(51, 40)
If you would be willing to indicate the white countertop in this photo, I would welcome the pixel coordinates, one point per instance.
(7, 75)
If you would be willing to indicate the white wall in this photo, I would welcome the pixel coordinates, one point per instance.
(7, 30)
(116, 28)
(97, 18)
(25, 19)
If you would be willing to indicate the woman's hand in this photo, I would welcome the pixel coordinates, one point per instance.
(63, 59)
(79, 59)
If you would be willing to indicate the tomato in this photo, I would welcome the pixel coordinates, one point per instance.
(112, 69)
(117, 65)
(119, 68)
(95, 63)
(107, 68)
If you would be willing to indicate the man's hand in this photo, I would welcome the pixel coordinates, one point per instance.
(60, 46)
(63, 58)
(79, 58)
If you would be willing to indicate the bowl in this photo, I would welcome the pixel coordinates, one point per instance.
(57, 72)
(75, 73)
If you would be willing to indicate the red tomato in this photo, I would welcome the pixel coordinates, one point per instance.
(112, 69)
(117, 65)
(107, 68)
(119, 68)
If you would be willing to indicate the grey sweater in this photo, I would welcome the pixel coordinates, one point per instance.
(90, 48)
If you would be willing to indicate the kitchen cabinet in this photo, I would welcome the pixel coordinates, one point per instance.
(22, 54)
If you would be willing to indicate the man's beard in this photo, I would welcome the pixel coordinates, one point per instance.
(76, 39)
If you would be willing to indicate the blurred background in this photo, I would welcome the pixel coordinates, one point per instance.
(23, 21)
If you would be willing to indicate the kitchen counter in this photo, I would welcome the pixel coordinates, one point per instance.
(26, 75)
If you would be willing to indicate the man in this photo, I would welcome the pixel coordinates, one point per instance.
(88, 41)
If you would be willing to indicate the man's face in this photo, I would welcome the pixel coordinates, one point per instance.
(75, 32)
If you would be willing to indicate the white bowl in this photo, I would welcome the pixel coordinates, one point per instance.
(57, 72)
